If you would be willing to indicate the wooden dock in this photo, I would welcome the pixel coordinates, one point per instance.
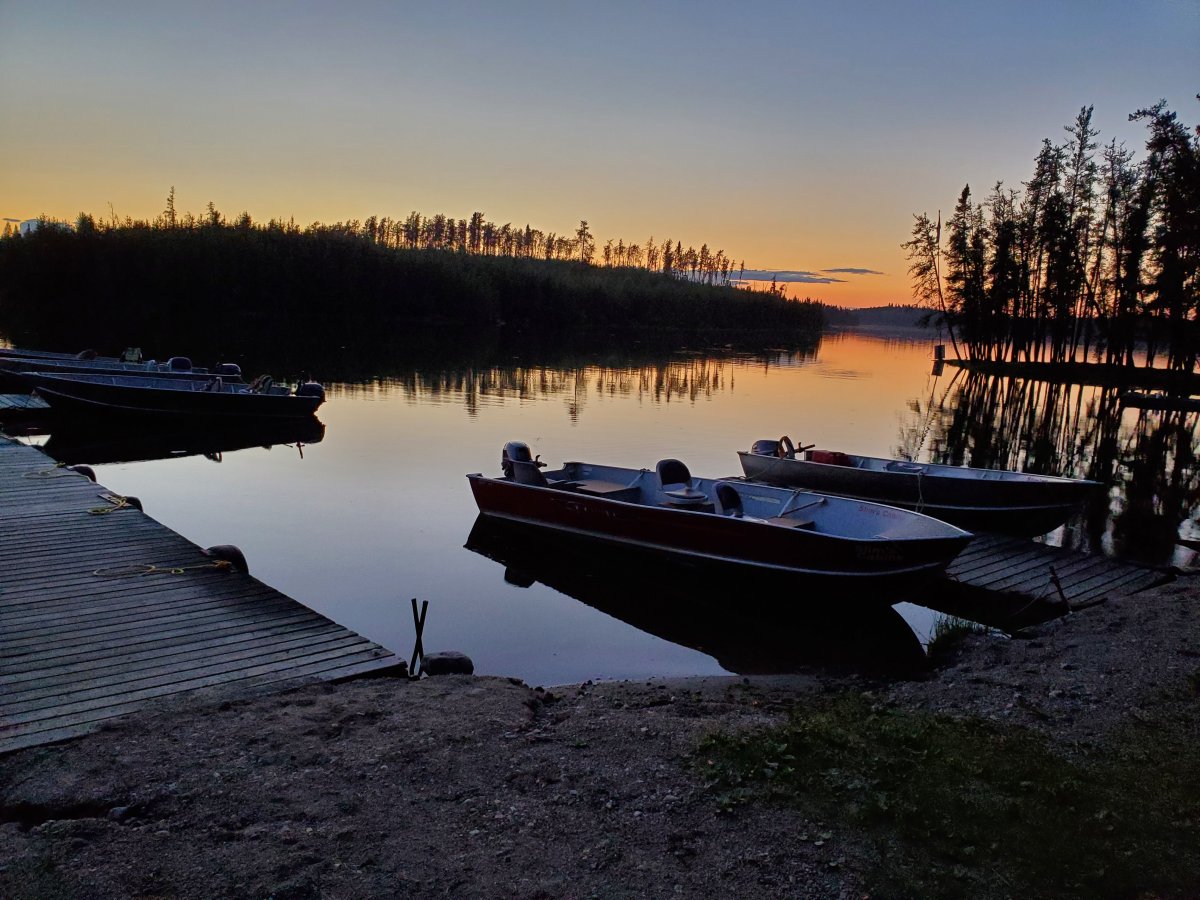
(1010, 575)
(104, 610)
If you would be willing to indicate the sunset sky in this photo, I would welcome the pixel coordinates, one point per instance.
(800, 137)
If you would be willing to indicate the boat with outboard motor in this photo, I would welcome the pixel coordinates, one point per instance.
(13, 370)
(865, 550)
(150, 395)
(998, 500)
(13, 362)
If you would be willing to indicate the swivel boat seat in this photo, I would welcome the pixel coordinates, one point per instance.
(676, 483)
(729, 501)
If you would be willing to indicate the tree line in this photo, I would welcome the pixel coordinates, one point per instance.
(1096, 256)
(220, 282)
(473, 235)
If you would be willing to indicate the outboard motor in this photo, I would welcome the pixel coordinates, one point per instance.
(310, 389)
(516, 451)
(179, 364)
(765, 448)
(228, 370)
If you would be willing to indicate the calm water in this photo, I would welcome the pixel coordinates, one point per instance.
(378, 510)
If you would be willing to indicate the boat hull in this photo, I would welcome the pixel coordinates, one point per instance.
(81, 397)
(997, 504)
(13, 379)
(882, 571)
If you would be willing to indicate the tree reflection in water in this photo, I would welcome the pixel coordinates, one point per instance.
(682, 376)
(1147, 457)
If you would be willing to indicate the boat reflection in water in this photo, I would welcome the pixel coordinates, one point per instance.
(749, 626)
(97, 444)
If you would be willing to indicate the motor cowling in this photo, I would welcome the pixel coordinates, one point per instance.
(311, 389)
(179, 364)
(765, 448)
(227, 370)
(514, 451)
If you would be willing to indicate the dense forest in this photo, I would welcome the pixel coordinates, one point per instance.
(154, 283)
(891, 316)
(1095, 258)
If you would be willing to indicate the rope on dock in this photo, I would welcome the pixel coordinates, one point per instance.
(139, 569)
(57, 472)
(116, 501)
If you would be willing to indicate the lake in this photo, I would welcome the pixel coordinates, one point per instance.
(377, 510)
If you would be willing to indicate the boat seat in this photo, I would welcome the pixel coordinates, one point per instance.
(526, 472)
(529, 473)
(676, 483)
(729, 501)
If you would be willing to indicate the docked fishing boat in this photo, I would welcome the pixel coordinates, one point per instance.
(150, 395)
(14, 362)
(1017, 503)
(864, 550)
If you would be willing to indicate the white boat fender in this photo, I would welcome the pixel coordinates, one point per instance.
(85, 471)
(230, 554)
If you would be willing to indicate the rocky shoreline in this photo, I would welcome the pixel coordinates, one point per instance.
(485, 787)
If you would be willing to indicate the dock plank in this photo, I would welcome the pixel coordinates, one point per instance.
(1018, 571)
(82, 642)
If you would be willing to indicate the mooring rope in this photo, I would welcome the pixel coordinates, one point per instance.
(117, 501)
(139, 569)
(59, 471)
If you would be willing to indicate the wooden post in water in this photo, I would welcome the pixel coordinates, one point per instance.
(419, 647)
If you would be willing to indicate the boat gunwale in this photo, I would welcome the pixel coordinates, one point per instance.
(1018, 477)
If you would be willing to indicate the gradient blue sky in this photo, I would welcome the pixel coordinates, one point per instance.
(795, 136)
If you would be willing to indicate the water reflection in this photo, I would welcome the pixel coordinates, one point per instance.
(74, 443)
(684, 376)
(747, 625)
(1147, 457)
(377, 512)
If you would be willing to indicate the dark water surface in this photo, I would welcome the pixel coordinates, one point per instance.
(376, 510)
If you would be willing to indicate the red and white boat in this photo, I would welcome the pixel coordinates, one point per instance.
(862, 549)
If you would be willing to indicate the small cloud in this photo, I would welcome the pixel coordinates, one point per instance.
(854, 271)
(788, 277)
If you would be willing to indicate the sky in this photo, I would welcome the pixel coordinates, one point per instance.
(799, 137)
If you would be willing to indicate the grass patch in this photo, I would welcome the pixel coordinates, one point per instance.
(947, 635)
(963, 808)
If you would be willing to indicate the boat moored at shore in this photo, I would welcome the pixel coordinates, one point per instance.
(862, 550)
(212, 398)
(1002, 501)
